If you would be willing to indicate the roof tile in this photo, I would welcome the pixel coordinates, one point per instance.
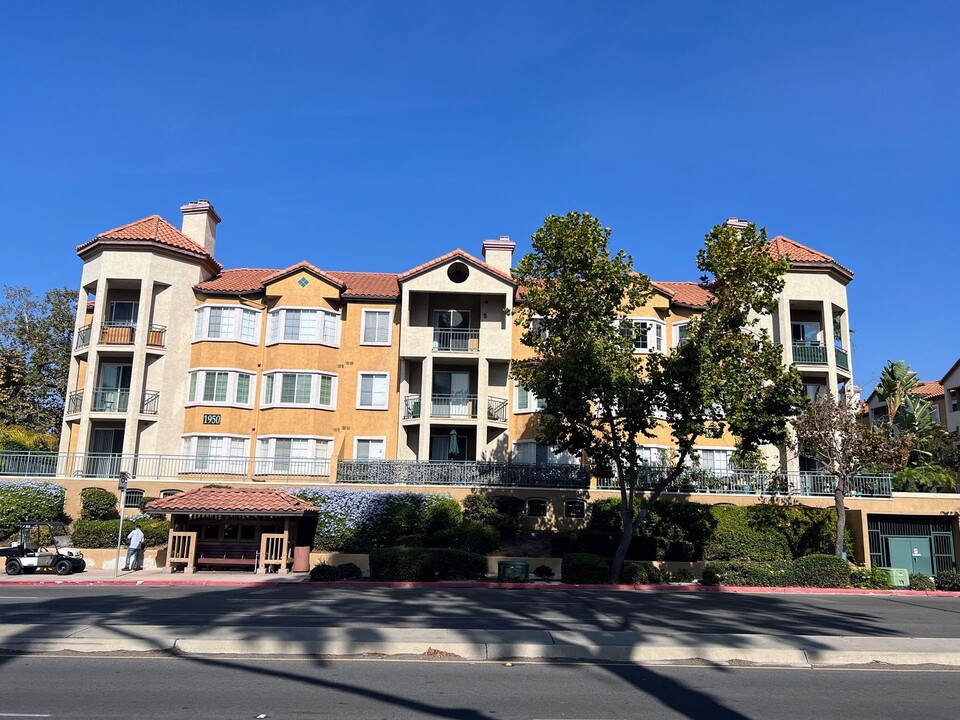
(450, 256)
(231, 500)
(686, 293)
(780, 246)
(153, 229)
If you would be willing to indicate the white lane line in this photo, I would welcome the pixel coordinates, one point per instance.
(21, 715)
(18, 597)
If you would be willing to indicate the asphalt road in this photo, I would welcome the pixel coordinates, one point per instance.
(454, 608)
(158, 688)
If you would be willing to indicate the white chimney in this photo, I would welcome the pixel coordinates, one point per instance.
(499, 253)
(736, 223)
(200, 223)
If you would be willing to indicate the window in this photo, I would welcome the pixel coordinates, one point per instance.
(169, 493)
(537, 328)
(219, 387)
(304, 325)
(376, 327)
(293, 456)
(805, 333)
(238, 324)
(653, 455)
(372, 391)
(369, 449)
(533, 453)
(935, 412)
(647, 334)
(715, 461)
(123, 313)
(954, 394)
(574, 508)
(133, 498)
(299, 389)
(223, 454)
(680, 333)
(837, 332)
(526, 401)
(536, 507)
(813, 391)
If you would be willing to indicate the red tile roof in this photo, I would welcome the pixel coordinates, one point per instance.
(153, 229)
(301, 266)
(932, 389)
(798, 253)
(238, 280)
(369, 284)
(458, 253)
(689, 294)
(358, 284)
(232, 501)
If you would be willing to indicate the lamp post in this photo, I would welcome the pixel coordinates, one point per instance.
(122, 487)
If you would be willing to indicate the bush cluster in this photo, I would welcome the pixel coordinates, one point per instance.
(425, 564)
(823, 571)
(98, 504)
(471, 536)
(503, 512)
(872, 579)
(947, 580)
(640, 573)
(329, 573)
(585, 569)
(30, 500)
(674, 530)
(919, 581)
(103, 533)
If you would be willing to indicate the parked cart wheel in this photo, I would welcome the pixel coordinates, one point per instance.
(13, 567)
(63, 567)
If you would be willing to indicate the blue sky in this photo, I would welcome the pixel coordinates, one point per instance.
(378, 135)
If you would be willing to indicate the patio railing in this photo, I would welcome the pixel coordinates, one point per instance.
(809, 353)
(450, 340)
(482, 474)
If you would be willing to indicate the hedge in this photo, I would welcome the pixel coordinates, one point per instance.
(872, 579)
(29, 500)
(750, 574)
(504, 512)
(673, 530)
(329, 573)
(471, 536)
(734, 538)
(98, 504)
(425, 564)
(103, 533)
(584, 569)
(640, 573)
(919, 581)
(947, 580)
(822, 571)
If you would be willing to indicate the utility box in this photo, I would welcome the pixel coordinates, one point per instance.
(899, 577)
(509, 571)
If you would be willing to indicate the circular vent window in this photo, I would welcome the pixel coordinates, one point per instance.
(458, 272)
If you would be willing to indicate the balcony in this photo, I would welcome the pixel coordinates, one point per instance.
(497, 409)
(809, 353)
(157, 336)
(456, 341)
(83, 338)
(759, 482)
(110, 400)
(74, 402)
(117, 333)
(200, 468)
(150, 404)
(469, 474)
(843, 359)
(455, 407)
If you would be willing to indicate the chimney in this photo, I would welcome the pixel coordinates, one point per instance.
(736, 223)
(499, 253)
(200, 223)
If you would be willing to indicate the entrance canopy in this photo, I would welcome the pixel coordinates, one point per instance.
(238, 502)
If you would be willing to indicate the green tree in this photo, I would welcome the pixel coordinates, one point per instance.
(601, 401)
(832, 432)
(897, 382)
(35, 344)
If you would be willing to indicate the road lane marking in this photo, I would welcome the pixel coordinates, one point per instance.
(21, 715)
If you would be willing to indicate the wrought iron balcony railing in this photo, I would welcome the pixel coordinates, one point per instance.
(843, 359)
(463, 407)
(809, 353)
(83, 338)
(150, 404)
(74, 402)
(110, 400)
(479, 474)
(497, 409)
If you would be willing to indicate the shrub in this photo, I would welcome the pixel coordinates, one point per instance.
(544, 572)
(470, 536)
(411, 541)
(403, 564)
(673, 529)
(683, 575)
(872, 579)
(349, 571)
(20, 501)
(453, 564)
(440, 513)
(585, 569)
(748, 574)
(735, 539)
(947, 580)
(143, 502)
(98, 504)
(823, 571)
(103, 533)
(919, 581)
(504, 512)
(595, 542)
(925, 478)
(805, 530)
(640, 573)
(324, 573)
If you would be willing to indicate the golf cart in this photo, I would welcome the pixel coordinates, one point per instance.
(42, 545)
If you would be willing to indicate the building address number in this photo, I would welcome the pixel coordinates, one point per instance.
(211, 419)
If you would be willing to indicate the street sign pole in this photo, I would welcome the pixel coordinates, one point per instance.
(122, 486)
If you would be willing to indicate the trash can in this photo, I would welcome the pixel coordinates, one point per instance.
(510, 571)
(301, 558)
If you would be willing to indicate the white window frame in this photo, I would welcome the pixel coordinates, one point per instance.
(552, 458)
(655, 332)
(804, 324)
(546, 505)
(196, 381)
(386, 391)
(675, 337)
(534, 404)
(277, 321)
(714, 449)
(953, 399)
(369, 438)
(233, 462)
(170, 492)
(135, 312)
(653, 455)
(315, 463)
(365, 312)
(201, 324)
(274, 378)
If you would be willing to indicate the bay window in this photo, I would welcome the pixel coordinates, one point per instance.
(293, 456)
(216, 454)
(219, 387)
(214, 322)
(305, 325)
(299, 389)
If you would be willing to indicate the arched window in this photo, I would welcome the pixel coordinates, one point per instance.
(574, 508)
(169, 493)
(133, 498)
(536, 507)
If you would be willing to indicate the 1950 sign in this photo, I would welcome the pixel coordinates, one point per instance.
(210, 419)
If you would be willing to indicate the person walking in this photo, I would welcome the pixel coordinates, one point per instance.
(135, 542)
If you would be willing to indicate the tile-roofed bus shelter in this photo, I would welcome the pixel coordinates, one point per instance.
(236, 527)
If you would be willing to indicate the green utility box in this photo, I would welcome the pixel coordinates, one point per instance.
(899, 577)
(509, 571)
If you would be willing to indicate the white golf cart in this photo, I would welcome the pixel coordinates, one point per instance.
(42, 546)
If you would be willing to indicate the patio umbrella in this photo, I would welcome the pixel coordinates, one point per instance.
(454, 444)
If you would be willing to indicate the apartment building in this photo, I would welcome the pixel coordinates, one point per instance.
(929, 390)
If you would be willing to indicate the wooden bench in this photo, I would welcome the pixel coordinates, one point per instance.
(227, 553)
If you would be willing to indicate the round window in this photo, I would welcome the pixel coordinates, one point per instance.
(458, 272)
